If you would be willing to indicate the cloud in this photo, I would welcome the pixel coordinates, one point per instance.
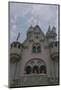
(23, 15)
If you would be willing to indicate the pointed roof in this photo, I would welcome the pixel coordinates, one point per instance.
(35, 29)
(38, 29)
(30, 28)
(51, 32)
(54, 29)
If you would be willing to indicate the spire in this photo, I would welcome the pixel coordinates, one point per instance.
(49, 28)
(48, 32)
(51, 33)
(54, 29)
(18, 36)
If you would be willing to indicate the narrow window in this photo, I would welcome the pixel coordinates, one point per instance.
(43, 69)
(34, 49)
(38, 49)
(28, 70)
(35, 69)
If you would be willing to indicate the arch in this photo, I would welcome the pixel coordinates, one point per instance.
(34, 49)
(39, 60)
(36, 69)
(28, 69)
(43, 69)
(35, 65)
(38, 49)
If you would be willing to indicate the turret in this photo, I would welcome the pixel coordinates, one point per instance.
(52, 42)
(51, 34)
(54, 50)
(15, 51)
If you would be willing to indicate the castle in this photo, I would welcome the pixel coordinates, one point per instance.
(36, 60)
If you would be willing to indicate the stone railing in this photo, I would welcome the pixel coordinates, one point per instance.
(31, 80)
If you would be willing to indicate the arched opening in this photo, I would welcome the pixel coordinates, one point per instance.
(28, 69)
(38, 49)
(43, 69)
(35, 69)
(35, 65)
(34, 49)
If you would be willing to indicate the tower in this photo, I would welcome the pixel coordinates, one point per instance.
(51, 34)
(53, 48)
(15, 57)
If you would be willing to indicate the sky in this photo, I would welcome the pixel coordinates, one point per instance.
(23, 15)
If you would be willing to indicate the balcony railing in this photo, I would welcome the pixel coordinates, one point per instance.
(32, 80)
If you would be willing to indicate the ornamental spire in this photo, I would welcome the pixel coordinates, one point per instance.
(18, 36)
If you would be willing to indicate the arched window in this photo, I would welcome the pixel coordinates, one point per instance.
(34, 49)
(35, 69)
(43, 69)
(28, 69)
(38, 49)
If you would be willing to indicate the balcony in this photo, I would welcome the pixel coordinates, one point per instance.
(30, 80)
(33, 80)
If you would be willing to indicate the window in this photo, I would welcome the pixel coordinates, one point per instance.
(35, 66)
(43, 69)
(36, 48)
(35, 69)
(28, 70)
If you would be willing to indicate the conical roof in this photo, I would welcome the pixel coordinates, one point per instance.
(51, 33)
(30, 28)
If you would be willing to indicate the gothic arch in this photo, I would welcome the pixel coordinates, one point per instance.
(43, 69)
(35, 65)
(28, 69)
(36, 48)
(35, 69)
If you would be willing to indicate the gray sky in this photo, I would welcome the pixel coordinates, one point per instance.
(24, 15)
